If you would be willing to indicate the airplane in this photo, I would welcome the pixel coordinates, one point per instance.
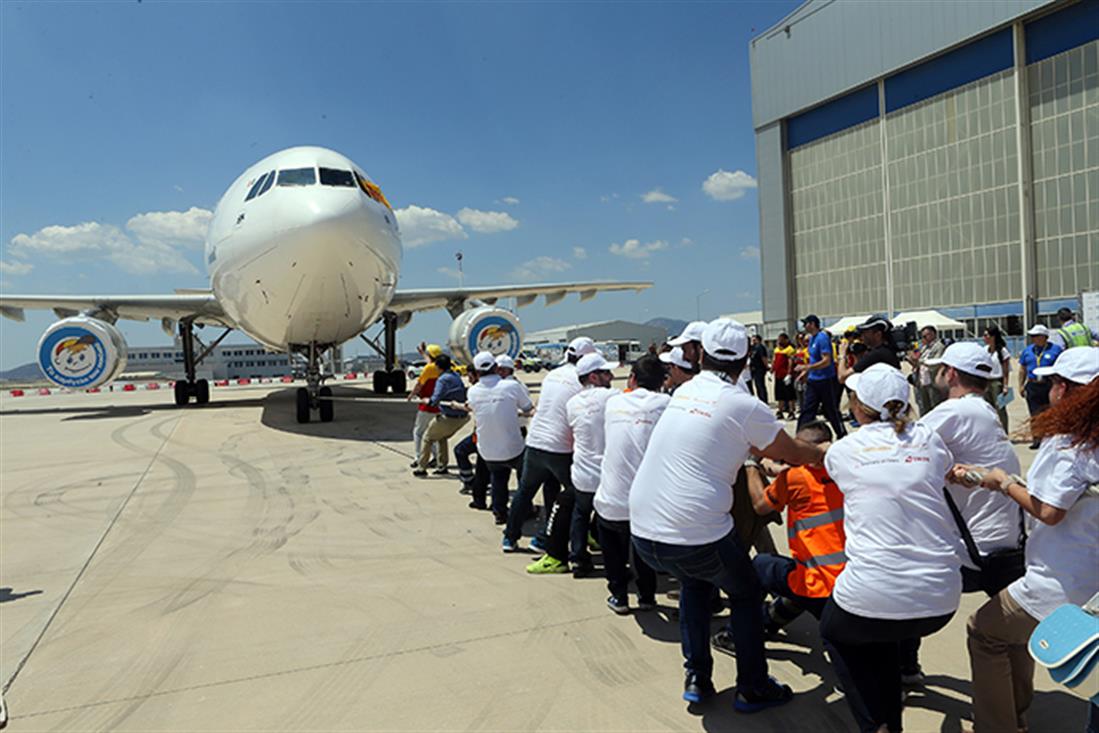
(303, 253)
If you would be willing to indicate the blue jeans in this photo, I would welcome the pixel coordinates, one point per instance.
(579, 527)
(698, 568)
(773, 571)
(823, 394)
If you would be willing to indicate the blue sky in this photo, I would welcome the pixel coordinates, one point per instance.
(593, 127)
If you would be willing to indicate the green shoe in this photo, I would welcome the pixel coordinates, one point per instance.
(546, 565)
(593, 544)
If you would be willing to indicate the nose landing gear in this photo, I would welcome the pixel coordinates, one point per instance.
(313, 396)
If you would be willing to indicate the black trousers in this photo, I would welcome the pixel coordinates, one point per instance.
(499, 472)
(619, 558)
(1037, 397)
(866, 654)
(541, 470)
(822, 394)
(759, 379)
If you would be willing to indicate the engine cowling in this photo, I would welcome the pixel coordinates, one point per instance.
(485, 328)
(81, 353)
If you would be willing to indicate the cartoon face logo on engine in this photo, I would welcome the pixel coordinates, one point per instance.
(72, 357)
(498, 336)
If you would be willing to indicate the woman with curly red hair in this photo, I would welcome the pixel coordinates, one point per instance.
(1062, 551)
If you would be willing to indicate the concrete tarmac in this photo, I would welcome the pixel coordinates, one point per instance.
(224, 568)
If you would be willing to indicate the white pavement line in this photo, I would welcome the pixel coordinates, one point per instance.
(88, 562)
(314, 667)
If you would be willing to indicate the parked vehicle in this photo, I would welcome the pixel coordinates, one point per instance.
(530, 362)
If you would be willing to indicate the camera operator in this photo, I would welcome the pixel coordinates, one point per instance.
(875, 333)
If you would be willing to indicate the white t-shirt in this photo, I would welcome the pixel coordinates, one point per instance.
(549, 430)
(629, 420)
(1062, 561)
(682, 494)
(496, 405)
(971, 430)
(585, 416)
(999, 357)
(903, 548)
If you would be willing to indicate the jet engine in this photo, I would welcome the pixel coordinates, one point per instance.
(81, 352)
(485, 328)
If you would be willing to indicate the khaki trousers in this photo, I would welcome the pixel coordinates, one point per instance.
(1002, 669)
(439, 431)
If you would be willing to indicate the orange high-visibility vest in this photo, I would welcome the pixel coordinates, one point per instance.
(814, 526)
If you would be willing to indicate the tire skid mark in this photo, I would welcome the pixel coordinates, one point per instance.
(119, 437)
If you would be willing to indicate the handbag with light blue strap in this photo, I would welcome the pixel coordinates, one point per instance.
(1067, 643)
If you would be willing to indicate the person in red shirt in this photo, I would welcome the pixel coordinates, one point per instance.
(782, 365)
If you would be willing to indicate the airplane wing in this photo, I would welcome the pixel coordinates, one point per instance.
(407, 302)
(197, 304)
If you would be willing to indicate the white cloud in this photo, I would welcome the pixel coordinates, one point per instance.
(637, 250)
(579, 253)
(539, 267)
(749, 253)
(656, 196)
(152, 245)
(187, 228)
(15, 268)
(421, 225)
(449, 272)
(510, 201)
(726, 186)
(686, 242)
(487, 222)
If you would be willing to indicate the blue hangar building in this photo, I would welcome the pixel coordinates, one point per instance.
(917, 154)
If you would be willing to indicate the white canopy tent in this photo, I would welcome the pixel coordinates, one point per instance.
(845, 323)
(929, 318)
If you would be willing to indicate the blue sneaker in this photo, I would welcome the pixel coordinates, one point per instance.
(772, 695)
(537, 546)
(509, 545)
(697, 689)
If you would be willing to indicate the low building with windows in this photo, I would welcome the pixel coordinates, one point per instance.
(226, 361)
(620, 340)
(916, 155)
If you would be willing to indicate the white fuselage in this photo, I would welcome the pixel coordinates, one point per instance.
(306, 262)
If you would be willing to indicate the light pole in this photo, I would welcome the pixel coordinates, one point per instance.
(698, 304)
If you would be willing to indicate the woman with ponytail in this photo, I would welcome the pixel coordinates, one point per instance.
(1062, 551)
(902, 580)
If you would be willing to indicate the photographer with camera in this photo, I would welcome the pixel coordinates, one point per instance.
(876, 333)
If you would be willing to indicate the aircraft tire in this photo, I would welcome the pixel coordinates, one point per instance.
(326, 407)
(381, 382)
(182, 392)
(399, 382)
(302, 405)
(202, 392)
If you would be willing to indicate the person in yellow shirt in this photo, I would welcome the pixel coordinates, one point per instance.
(424, 387)
(782, 364)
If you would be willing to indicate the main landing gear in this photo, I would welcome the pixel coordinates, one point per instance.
(313, 396)
(392, 377)
(190, 387)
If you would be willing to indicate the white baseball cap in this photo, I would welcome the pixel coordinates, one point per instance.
(693, 332)
(878, 386)
(484, 361)
(725, 339)
(580, 346)
(675, 356)
(1079, 364)
(593, 363)
(971, 358)
(503, 361)
(1038, 330)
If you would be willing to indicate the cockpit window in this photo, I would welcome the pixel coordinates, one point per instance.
(372, 191)
(297, 177)
(267, 184)
(254, 190)
(336, 177)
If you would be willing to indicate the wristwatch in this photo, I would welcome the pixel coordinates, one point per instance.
(1013, 478)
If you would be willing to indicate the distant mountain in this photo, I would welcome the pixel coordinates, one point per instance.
(25, 373)
(673, 326)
